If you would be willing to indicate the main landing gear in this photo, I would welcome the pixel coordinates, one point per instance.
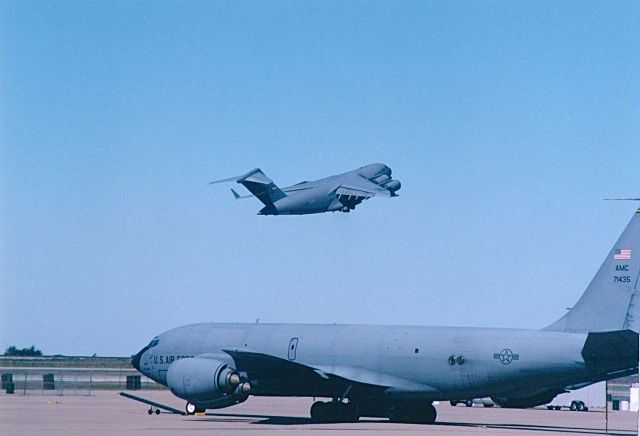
(413, 413)
(404, 412)
(334, 411)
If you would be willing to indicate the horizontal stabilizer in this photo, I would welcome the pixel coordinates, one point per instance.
(613, 348)
(238, 196)
(239, 178)
(258, 184)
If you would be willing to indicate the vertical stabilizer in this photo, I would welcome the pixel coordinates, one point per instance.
(261, 186)
(610, 301)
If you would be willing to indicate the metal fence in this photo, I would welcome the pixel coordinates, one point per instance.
(72, 381)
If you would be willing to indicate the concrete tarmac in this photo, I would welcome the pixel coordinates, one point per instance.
(107, 413)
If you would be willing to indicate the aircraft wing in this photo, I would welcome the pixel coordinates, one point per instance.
(262, 365)
(361, 187)
(265, 365)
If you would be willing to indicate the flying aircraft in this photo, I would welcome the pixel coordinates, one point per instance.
(398, 371)
(342, 192)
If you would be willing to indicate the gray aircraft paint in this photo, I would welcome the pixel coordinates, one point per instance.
(339, 193)
(594, 341)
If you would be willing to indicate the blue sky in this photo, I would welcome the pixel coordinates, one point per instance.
(507, 123)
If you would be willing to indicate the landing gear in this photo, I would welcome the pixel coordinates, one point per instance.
(334, 411)
(468, 403)
(192, 409)
(153, 410)
(413, 413)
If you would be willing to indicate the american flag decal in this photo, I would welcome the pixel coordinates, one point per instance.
(622, 254)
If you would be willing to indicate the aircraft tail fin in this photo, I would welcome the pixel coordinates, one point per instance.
(610, 301)
(261, 186)
(258, 184)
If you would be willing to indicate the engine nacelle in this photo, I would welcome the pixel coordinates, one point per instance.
(200, 378)
(393, 185)
(381, 179)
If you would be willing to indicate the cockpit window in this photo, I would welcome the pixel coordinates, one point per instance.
(154, 342)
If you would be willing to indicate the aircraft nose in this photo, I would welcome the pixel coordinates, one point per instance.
(135, 359)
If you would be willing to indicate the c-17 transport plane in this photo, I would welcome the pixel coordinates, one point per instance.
(398, 371)
(342, 192)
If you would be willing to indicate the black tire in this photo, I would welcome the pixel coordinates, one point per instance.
(431, 414)
(157, 411)
(150, 411)
(192, 409)
(558, 407)
(350, 412)
(549, 407)
(454, 403)
(580, 406)
(319, 412)
(574, 406)
(413, 415)
(468, 403)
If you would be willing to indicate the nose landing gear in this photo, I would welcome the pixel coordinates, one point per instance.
(192, 409)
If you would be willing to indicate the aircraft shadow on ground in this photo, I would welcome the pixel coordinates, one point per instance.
(296, 420)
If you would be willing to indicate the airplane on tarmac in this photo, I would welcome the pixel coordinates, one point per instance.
(342, 192)
(398, 371)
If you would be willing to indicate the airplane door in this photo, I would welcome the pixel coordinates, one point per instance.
(293, 346)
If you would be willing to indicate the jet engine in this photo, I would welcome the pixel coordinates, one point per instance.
(393, 185)
(205, 379)
(381, 179)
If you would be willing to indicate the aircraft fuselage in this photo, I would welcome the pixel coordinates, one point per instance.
(426, 362)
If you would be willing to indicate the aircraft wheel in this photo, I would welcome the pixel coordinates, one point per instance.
(413, 415)
(468, 403)
(192, 409)
(157, 411)
(454, 403)
(150, 411)
(558, 407)
(574, 406)
(549, 407)
(319, 411)
(430, 414)
(346, 412)
(580, 406)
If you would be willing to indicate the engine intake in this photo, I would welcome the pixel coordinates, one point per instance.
(393, 185)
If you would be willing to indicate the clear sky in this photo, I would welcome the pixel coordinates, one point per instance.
(507, 123)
